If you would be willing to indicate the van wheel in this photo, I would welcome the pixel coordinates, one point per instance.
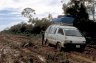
(46, 43)
(82, 48)
(58, 47)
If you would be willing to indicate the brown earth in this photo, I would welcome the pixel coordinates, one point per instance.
(25, 49)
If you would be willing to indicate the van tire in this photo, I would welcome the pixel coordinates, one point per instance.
(58, 46)
(82, 48)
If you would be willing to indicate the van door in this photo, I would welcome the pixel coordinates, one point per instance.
(60, 35)
(51, 35)
(54, 36)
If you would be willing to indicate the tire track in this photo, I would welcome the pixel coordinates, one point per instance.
(79, 58)
(74, 57)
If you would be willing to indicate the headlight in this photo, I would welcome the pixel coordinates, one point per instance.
(68, 41)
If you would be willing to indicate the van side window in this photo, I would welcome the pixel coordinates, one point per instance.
(60, 31)
(52, 30)
(48, 30)
(55, 29)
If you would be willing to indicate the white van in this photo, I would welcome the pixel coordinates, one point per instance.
(63, 36)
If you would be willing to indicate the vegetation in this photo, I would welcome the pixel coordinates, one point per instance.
(79, 9)
(34, 26)
(29, 13)
(24, 28)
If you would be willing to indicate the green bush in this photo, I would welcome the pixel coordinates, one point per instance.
(28, 29)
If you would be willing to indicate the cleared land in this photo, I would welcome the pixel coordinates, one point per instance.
(28, 49)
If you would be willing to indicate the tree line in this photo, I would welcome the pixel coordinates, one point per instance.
(81, 10)
(37, 27)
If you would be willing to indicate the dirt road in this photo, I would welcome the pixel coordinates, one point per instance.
(24, 49)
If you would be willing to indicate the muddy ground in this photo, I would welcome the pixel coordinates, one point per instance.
(29, 49)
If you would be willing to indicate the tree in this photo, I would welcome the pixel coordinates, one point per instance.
(50, 17)
(28, 12)
(76, 9)
(89, 4)
(81, 9)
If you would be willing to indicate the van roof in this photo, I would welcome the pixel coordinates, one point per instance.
(62, 26)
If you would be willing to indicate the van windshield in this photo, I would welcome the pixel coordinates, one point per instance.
(72, 32)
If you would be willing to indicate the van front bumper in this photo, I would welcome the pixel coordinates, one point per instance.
(75, 45)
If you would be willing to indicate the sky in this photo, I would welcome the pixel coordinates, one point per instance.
(10, 10)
